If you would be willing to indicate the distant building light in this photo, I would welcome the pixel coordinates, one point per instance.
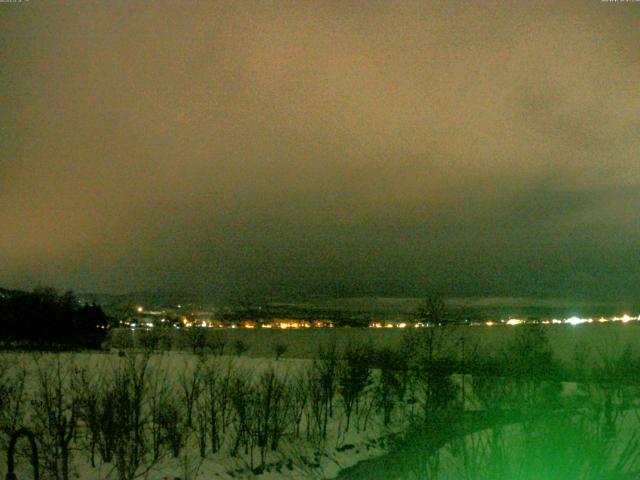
(575, 321)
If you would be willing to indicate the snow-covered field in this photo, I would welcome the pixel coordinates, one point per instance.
(177, 415)
(600, 339)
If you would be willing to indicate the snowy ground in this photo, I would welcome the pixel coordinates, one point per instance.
(565, 340)
(300, 453)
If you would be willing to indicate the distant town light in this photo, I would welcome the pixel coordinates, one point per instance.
(575, 321)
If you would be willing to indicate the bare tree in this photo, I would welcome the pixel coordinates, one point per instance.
(195, 338)
(55, 409)
(129, 395)
(280, 349)
(271, 408)
(425, 343)
(391, 381)
(354, 375)
(299, 396)
(12, 395)
(240, 347)
(190, 380)
(217, 342)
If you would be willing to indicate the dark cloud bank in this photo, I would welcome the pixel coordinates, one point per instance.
(359, 147)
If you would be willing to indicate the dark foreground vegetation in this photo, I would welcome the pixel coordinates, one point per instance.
(463, 413)
(46, 320)
(520, 414)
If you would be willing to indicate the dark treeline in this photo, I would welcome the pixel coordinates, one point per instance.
(45, 319)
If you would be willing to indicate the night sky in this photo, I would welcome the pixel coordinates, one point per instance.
(351, 147)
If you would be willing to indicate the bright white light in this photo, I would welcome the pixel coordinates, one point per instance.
(489, 323)
(140, 309)
(626, 318)
(575, 321)
(514, 321)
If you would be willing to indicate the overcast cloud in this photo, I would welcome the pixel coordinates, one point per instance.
(383, 147)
